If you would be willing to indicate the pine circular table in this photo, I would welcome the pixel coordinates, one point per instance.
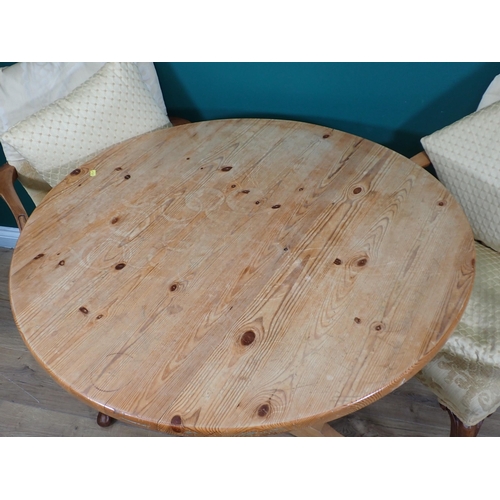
(241, 277)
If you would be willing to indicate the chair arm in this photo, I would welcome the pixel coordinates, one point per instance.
(421, 159)
(176, 121)
(8, 175)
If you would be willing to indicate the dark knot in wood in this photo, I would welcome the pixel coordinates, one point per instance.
(247, 338)
(176, 423)
(263, 410)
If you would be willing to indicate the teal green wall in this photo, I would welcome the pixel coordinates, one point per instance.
(394, 104)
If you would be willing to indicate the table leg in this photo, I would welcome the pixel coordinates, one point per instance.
(317, 430)
(104, 420)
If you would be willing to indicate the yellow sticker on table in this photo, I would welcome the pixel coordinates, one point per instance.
(92, 173)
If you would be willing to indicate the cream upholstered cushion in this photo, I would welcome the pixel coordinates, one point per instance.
(466, 156)
(465, 374)
(110, 107)
(26, 88)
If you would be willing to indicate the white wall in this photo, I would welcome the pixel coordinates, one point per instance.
(8, 236)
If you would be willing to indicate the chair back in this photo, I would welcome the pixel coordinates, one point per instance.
(49, 110)
(466, 157)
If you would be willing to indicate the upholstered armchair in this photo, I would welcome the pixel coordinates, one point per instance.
(55, 116)
(465, 375)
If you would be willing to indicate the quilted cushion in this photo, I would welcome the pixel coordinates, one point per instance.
(466, 156)
(27, 87)
(465, 375)
(110, 107)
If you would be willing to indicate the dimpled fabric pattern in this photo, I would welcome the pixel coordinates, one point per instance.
(466, 156)
(465, 374)
(110, 107)
(27, 87)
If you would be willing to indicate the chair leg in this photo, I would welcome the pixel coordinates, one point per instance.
(458, 428)
(104, 420)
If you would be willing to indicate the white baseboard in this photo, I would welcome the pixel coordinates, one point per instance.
(8, 236)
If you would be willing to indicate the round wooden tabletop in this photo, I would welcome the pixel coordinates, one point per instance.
(240, 277)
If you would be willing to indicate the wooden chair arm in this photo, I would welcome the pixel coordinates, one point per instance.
(176, 121)
(421, 159)
(8, 175)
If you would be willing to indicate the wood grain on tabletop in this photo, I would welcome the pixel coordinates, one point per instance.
(241, 276)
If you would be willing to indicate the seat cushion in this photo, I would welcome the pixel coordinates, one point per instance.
(110, 107)
(465, 374)
(466, 156)
(27, 87)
